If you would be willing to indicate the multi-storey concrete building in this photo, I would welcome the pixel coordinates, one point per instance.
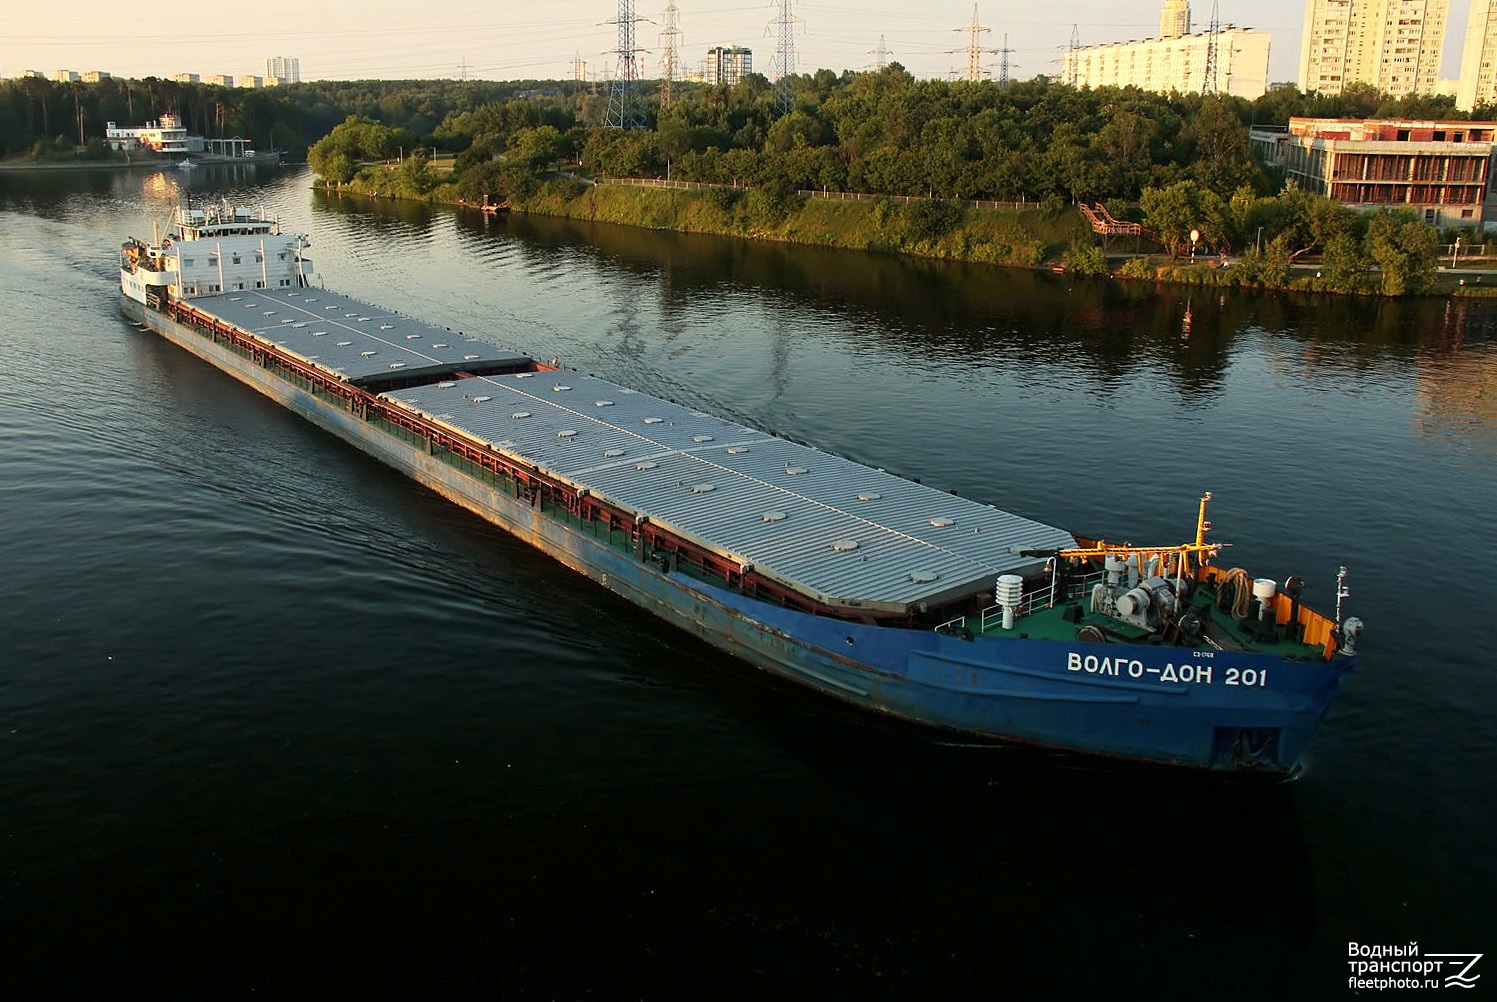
(1394, 45)
(1439, 169)
(1174, 19)
(1176, 64)
(286, 69)
(1478, 80)
(729, 65)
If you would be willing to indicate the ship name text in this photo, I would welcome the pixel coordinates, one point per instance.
(1184, 673)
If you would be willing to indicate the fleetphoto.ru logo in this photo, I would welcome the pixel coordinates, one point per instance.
(1380, 966)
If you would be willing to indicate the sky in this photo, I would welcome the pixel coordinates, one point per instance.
(396, 39)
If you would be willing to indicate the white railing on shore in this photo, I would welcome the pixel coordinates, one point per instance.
(842, 196)
(657, 182)
(863, 196)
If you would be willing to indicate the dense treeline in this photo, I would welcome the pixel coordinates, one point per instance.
(1182, 159)
(887, 133)
(44, 117)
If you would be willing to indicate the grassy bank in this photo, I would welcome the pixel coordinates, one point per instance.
(1051, 235)
(927, 228)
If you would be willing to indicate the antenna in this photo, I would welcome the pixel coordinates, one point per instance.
(623, 97)
(669, 35)
(1213, 33)
(784, 56)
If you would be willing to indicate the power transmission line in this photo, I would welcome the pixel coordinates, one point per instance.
(974, 47)
(784, 57)
(1074, 68)
(623, 97)
(1213, 33)
(669, 35)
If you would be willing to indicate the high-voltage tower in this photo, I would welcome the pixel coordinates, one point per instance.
(669, 35)
(1074, 53)
(1213, 37)
(974, 47)
(624, 111)
(784, 58)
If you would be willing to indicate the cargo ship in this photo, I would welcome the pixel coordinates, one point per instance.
(869, 588)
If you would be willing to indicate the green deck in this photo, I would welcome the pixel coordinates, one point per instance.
(1222, 630)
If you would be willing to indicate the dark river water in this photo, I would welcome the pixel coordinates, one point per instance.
(275, 720)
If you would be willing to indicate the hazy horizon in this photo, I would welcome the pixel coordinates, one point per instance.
(376, 39)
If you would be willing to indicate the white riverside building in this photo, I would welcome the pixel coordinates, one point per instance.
(1163, 65)
(165, 136)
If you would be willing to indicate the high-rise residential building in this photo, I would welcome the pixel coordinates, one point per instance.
(1174, 20)
(729, 65)
(1478, 81)
(1176, 64)
(286, 69)
(1394, 45)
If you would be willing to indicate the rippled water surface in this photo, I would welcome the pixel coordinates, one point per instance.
(275, 719)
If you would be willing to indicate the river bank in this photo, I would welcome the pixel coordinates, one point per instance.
(51, 165)
(1050, 236)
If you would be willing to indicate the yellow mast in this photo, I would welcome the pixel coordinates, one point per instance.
(1202, 550)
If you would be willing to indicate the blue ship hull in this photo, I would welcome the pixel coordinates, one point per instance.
(1208, 709)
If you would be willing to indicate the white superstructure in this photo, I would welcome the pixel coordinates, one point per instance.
(213, 251)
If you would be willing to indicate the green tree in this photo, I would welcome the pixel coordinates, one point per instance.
(1406, 252)
(1183, 206)
(1343, 266)
(1085, 258)
(416, 175)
